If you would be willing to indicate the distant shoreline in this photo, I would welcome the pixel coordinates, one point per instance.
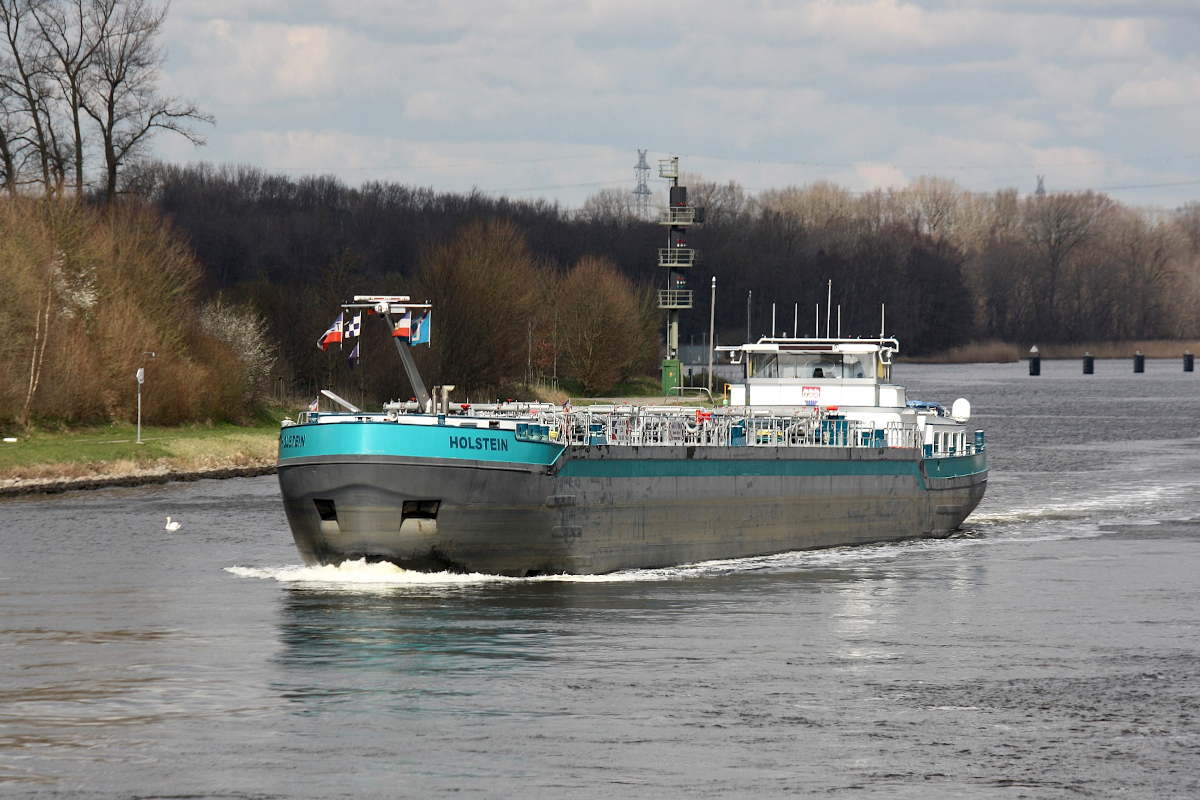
(20, 487)
(1008, 353)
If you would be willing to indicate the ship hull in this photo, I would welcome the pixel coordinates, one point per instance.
(607, 508)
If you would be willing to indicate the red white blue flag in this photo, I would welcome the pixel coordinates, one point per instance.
(334, 334)
(403, 325)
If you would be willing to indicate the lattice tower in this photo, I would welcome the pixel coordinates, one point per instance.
(642, 193)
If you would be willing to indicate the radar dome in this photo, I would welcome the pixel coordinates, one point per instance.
(961, 410)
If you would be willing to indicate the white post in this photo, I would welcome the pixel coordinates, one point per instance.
(817, 322)
(828, 305)
(141, 377)
(772, 320)
(796, 320)
(712, 322)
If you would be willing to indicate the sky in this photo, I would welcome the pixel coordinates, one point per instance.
(553, 99)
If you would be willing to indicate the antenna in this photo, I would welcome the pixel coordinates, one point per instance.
(712, 330)
(882, 318)
(828, 304)
(641, 194)
(796, 320)
(772, 320)
(817, 323)
(839, 320)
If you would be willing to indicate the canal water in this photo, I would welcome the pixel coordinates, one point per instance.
(1051, 649)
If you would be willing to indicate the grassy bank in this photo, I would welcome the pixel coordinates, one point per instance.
(1006, 352)
(113, 451)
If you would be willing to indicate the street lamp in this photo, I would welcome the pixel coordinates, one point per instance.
(141, 378)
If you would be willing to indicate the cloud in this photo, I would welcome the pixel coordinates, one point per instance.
(1162, 87)
(1111, 39)
(852, 91)
(252, 63)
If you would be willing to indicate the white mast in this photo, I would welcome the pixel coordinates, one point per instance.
(828, 308)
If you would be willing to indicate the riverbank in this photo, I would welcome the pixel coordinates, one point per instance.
(50, 462)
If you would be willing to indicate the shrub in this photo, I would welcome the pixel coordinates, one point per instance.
(85, 295)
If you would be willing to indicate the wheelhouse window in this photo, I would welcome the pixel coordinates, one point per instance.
(764, 365)
(809, 366)
(859, 365)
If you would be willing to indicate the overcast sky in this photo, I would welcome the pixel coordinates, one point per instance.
(553, 98)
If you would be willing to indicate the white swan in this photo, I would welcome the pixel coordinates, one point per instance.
(172, 526)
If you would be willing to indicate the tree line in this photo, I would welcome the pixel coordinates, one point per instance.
(1057, 267)
(527, 291)
(78, 93)
(952, 266)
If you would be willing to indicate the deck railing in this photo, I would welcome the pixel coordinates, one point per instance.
(674, 298)
(691, 428)
(685, 427)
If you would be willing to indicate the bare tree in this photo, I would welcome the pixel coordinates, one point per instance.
(483, 285)
(722, 202)
(122, 94)
(11, 140)
(71, 31)
(602, 323)
(929, 205)
(1055, 226)
(820, 204)
(609, 206)
(1145, 249)
(25, 76)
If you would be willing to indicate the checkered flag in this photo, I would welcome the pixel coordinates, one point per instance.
(355, 326)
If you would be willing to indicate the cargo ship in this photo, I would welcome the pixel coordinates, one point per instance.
(818, 448)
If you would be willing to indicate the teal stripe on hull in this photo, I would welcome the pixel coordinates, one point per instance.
(948, 467)
(955, 466)
(412, 441)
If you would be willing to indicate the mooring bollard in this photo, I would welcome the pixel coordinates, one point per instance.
(1089, 364)
(1188, 361)
(1035, 361)
(1139, 362)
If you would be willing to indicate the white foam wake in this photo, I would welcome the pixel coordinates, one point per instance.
(361, 572)
(384, 574)
(369, 575)
(1101, 500)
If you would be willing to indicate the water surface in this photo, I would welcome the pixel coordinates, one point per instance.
(1051, 649)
